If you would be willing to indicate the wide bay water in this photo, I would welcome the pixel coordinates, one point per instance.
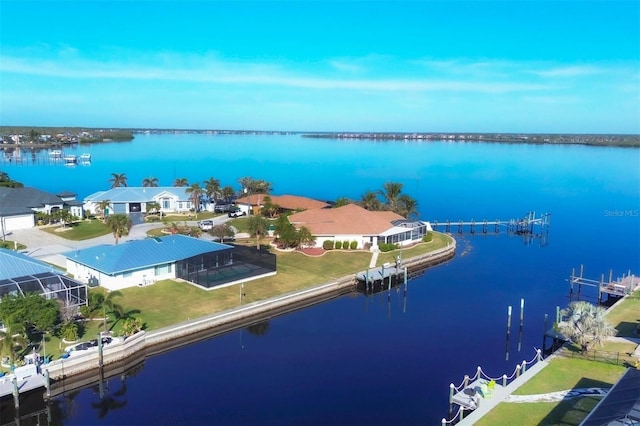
(388, 358)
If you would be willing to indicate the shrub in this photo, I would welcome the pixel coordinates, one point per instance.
(338, 245)
(345, 245)
(384, 247)
(427, 238)
(327, 245)
(353, 245)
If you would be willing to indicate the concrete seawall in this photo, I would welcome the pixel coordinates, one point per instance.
(167, 338)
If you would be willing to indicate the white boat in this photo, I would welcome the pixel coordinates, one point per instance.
(56, 153)
(85, 157)
(70, 159)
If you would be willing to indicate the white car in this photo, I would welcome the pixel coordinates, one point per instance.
(206, 225)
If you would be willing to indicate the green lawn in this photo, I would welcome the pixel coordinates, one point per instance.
(626, 316)
(11, 245)
(567, 373)
(81, 230)
(169, 302)
(560, 374)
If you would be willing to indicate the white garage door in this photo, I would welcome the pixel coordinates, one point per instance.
(12, 223)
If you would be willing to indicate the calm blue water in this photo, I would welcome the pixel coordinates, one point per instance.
(381, 359)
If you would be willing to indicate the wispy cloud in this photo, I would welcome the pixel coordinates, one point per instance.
(569, 71)
(220, 72)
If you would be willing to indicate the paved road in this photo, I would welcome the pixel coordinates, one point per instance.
(48, 247)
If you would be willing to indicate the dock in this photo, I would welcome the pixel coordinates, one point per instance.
(23, 379)
(527, 225)
(619, 287)
(384, 277)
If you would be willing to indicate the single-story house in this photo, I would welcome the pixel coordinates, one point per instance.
(354, 223)
(18, 206)
(286, 202)
(141, 262)
(125, 199)
(21, 274)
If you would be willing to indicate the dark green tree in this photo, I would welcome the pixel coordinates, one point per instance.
(222, 231)
(258, 226)
(118, 179)
(119, 224)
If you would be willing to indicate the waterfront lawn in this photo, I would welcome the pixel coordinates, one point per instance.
(80, 230)
(561, 374)
(439, 241)
(566, 413)
(171, 302)
(625, 315)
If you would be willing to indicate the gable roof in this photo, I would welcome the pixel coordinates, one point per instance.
(139, 254)
(349, 219)
(128, 194)
(14, 264)
(15, 201)
(289, 202)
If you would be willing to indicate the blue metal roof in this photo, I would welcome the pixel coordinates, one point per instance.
(14, 265)
(139, 254)
(129, 194)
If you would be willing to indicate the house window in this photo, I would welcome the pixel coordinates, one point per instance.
(162, 269)
(166, 203)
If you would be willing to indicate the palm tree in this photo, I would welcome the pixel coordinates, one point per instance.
(586, 324)
(305, 237)
(150, 182)
(118, 179)
(181, 182)
(212, 188)
(391, 192)
(195, 192)
(227, 192)
(119, 224)
(12, 344)
(407, 206)
(153, 206)
(370, 201)
(252, 186)
(258, 226)
(342, 201)
(103, 206)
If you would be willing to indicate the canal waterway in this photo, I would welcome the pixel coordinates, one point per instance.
(387, 358)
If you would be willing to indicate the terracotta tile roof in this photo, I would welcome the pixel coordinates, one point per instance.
(289, 202)
(349, 219)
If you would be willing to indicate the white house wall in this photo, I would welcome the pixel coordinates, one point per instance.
(119, 281)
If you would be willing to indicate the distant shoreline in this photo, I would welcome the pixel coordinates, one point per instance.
(630, 141)
(128, 134)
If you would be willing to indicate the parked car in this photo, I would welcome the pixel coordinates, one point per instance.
(205, 225)
(222, 208)
(237, 212)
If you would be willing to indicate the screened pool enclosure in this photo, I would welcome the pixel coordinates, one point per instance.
(226, 266)
(50, 285)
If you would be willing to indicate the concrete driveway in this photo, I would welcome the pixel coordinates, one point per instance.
(48, 247)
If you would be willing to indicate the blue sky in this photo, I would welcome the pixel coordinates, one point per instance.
(411, 66)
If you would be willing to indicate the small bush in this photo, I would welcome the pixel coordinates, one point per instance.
(327, 245)
(427, 238)
(345, 245)
(338, 245)
(384, 247)
(353, 245)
